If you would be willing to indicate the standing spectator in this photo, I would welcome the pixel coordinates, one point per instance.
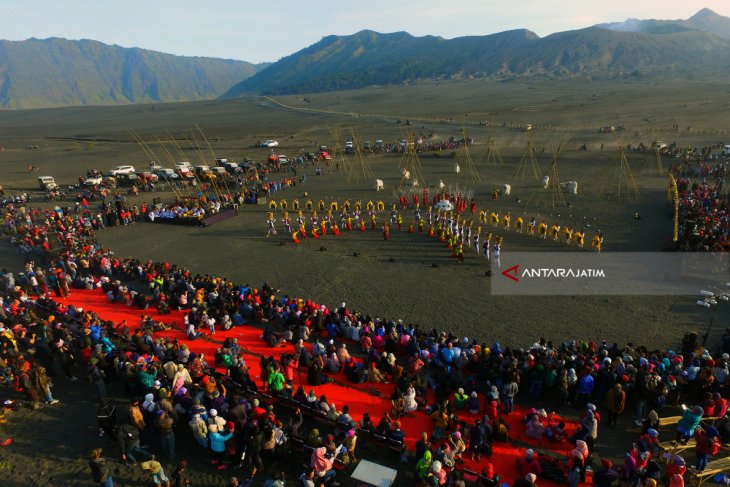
(585, 389)
(164, 424)
(97, 377)
(615, 403)
(707, 444)
(509, 391)
(99, 469)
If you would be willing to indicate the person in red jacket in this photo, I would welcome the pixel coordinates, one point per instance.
(529, 464)
(720, 405)
(491, 409)
(708, 444)
(709, 405)
(676, 466)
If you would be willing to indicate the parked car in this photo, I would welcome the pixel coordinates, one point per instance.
(166, 173)
(270, 143)
(125, 179)
(93, 178)
(147, 177)
(47, 183)
(204, 172)
(232, 167)
(184, 169)
(123, 170)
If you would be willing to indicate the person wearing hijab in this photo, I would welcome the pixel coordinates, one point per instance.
(314, 439)
(676, 480)
(410, 399)
(323, 466)
(629, 471)
(438, 472)
(423, 465)
(675, 465)
(529, 464)
(460, 400)
(374, 375)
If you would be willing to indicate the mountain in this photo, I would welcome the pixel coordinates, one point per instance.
(367, 58)
(635, 48)
(54, 72)
(705, 20)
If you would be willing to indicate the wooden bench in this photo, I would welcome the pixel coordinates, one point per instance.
(669, 420)
(672, 420)
(714, 467)
(674, 447)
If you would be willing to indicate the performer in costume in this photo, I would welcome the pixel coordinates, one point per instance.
(272, 225)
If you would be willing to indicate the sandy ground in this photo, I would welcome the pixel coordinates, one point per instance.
(394, 279)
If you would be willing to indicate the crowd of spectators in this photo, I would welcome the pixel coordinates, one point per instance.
(467, 386)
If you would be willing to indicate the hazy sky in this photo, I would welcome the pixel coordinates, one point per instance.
(255, 30)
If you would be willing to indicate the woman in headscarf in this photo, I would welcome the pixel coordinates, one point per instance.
(629, 471)
(423, 465)
(440, 423)
(181, 378)
(676, 480)
(457, 444)
(322, 465)
(410, 399)
(351, 444)
(472, 404)
(374, 375)
(313, 438)
(342, 354)
(438, 472)
(398, 405)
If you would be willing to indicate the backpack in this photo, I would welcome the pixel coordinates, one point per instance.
(714, 447)
(18, 383)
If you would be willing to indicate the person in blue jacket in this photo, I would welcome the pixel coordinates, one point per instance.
(218, 445)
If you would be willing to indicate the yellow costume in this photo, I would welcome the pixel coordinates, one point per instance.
(506, 221)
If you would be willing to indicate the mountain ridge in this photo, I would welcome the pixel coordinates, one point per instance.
(633, 48)
(53, 72)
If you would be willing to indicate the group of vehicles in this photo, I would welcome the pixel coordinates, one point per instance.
(128, 175)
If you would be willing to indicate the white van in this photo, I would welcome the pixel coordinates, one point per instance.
(726, 150)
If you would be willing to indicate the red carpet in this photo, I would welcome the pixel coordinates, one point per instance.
(355, 395)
